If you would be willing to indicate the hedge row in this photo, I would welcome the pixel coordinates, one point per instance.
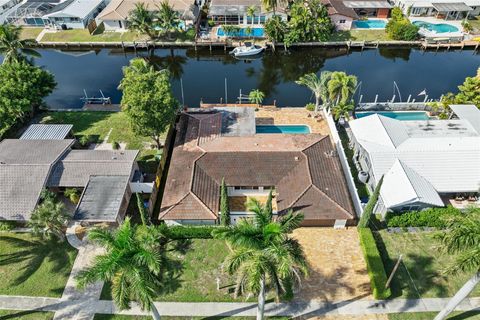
(375, 268)
(192, 232)
(432, 217)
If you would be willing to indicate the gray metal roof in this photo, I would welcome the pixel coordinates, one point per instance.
(102, 198)
(47, 132)
(34, 152)
(468, 112)
(451, 6)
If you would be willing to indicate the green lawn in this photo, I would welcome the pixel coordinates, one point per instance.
(476, 25)
(196, 279)
(470, 315)
(25, 315)
(33, 267)
(30, 33)
(360, 35)
(425, 264)
(82, 35)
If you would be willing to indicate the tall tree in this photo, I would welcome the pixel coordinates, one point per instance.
(144, 216)
(168, 18)
(263, 255)
(141, 20)
(11, 47)
(275, 29)
(309, 21)
(148, 100)
(272, 4)
(341, 86)
(224, 206)
(462, 237)
(342, 110)
(134, 262)
(318, 86)
(470, 90)
(251, 10)
(49, 219)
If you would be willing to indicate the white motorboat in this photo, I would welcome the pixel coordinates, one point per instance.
(248, 49)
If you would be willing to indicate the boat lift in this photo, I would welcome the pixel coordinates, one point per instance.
(95, 100)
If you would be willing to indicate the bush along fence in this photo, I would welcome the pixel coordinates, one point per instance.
(432, 218)
(192, 232)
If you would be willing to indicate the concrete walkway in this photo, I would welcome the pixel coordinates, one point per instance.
(206, 309)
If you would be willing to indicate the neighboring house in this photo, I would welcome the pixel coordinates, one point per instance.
(74, 14)
(442, 9)
(115, 15)
(214, 144)
(424, 163)
(31, 12)
(342, 17)
(5, 8)
(343, 13)
(28, 166)
(227, 12)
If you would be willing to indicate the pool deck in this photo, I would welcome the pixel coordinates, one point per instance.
(299, 116)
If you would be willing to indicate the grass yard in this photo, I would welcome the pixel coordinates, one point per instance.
(128, 317)
(25, 315)
(30, 33)
(82, 35)
(425, 264)
(196, 281)
(360, 35)
(30, 266)
(470, 315)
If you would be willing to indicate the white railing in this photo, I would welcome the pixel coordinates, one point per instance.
(344, 162)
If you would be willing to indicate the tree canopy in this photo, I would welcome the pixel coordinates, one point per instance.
(400, 28)
(309, 22)
(148, 100)
(11, 47)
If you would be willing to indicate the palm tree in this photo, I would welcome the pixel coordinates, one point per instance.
(272, 4)
(49, 219)
(341, 86)
(72, 195)
(168, 18)
(141, 20)
(318, 86)
(256, 96)
(11, 47)
(462, 237)
(342, 110)
(251, 13)
(262, 254)
(134, 263)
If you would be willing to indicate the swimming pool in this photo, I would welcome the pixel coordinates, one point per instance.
(242, 33)
(399, 115)
(436, 27)
(369, 24)
(288, 129)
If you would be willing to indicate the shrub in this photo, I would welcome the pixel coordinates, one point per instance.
(368, 211)
(310, 106)
(375, 268)
(115, 145)
(72, 195)
(191, 232)
(7, 225)
(400, 28)
(85, 140)
(432, 217)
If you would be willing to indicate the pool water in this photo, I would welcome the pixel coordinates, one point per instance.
(436, 27)
(369, 24)
(242, 33)
(400, 115)
(288, 129)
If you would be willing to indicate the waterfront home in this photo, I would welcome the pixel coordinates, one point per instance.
(104, 178)
(31, 12)
(74, 14)
(115, 15)
(424, 163)
(212, 144)
(343, 13)
(235, 12)
(441, 9)
(5, 8)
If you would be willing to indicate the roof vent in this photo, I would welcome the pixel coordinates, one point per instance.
(114, 158)
(256, 144)
(296, 158)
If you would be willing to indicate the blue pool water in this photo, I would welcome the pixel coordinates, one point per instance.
(290, 129)
(401, 115)
(436, 27)
(255, 32)
(369, 24)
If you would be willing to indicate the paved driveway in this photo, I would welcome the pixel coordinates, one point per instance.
(337, 268)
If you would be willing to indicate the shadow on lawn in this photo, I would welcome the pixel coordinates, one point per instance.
(420, 267)
(33, 253)
(19, 314)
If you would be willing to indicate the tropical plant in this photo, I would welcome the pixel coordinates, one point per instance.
(399, 27)
(144, 216)
(256, 96)
(251, 10)
(462, 237)
(141, 20)
(368, 210)
(230, 31)
(318, 86)
(115, 145)
(470, 90)
(263, 256)
(168, 18)
(342, 110)
(272, 5)
(148, 100)
(49, 219)
(341, 86)
(134, 262)
(467, 26)
(72, 195)
(11, 47)
(275, 30)
(224, 206)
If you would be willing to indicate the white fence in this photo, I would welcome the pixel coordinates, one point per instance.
(345, 166)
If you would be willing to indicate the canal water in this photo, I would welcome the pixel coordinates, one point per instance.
(203, 73)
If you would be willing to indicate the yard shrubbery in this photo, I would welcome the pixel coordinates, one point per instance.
(432, 217)
(375, 268)
(400, 28)
(192, 232)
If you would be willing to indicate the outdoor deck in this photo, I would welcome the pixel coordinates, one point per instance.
(279, 116)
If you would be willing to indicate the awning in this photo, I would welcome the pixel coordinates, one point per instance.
(454, 6)
(367, 4)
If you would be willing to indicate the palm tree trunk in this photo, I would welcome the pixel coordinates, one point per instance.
(261, 300)
(317, 103)
(155, 313)
(459, 296)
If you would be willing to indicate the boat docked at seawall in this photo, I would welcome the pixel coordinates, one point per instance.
(248, 49)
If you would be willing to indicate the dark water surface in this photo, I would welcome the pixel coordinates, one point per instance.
(203, 73)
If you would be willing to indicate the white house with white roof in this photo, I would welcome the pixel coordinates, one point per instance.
(424, 163)
(445, 9)
(74, 14)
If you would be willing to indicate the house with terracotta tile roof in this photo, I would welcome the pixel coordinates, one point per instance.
(213, 144)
